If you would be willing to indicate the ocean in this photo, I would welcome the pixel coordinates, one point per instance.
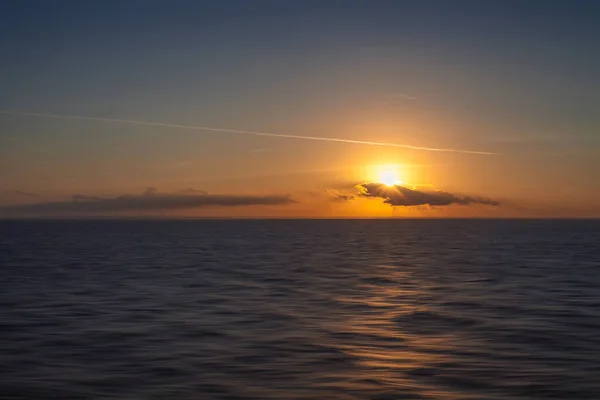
(300, 309)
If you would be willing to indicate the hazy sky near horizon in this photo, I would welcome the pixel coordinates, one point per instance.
(515, 78)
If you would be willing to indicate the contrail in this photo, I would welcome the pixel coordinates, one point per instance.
(236, 131)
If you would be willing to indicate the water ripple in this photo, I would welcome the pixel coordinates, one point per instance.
(299, 309)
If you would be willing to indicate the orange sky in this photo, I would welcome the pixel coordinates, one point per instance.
(302, 101)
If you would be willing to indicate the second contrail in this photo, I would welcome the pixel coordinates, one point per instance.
(243, 132)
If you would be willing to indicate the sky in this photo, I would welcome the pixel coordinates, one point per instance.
(304, 109)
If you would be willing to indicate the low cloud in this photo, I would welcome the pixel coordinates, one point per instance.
(191, 191)
(150, 200)
(150, 191)
(343, 197)
(402, 196)
(85, 197)
(335, 195)
(21, 193)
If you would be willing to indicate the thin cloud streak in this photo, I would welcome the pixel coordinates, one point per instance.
(243, 132)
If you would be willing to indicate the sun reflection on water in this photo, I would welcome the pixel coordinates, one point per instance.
(384, 351)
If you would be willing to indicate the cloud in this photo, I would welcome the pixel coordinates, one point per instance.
(19, 193)
(398, 195)
(85, 197)
(335, 195)
(244, 132)
(150, 191)
(149, 200)
(343, 197)
(191, 191)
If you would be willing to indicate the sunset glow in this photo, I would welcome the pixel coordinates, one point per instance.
(300, 199)
(390, 179)
(389, 175)
(243, 121)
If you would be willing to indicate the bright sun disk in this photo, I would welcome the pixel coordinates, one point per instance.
(389, 178)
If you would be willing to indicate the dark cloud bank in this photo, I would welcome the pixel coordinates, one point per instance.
(402, 196)
(150, 200)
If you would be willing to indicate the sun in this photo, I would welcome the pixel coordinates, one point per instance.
(389, 178)
(389, 175)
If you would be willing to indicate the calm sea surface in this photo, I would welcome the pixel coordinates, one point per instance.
(371, 309)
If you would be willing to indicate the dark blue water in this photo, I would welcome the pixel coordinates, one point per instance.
(404, 309)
